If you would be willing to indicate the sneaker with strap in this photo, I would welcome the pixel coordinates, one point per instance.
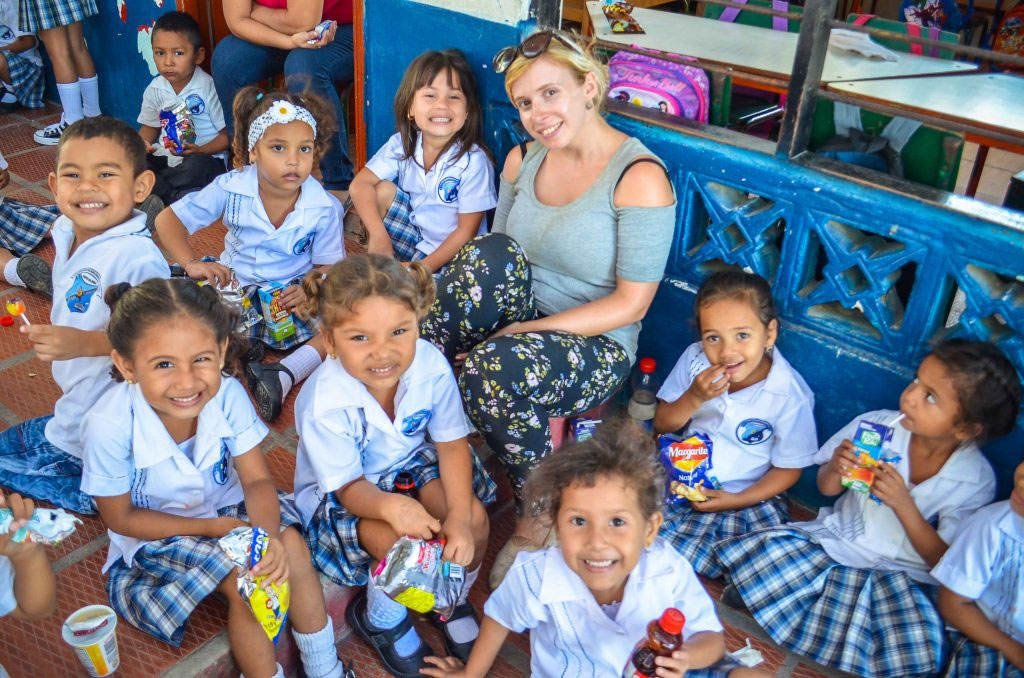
(50, 135)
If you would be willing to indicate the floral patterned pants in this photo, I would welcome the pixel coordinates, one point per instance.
(512, 384)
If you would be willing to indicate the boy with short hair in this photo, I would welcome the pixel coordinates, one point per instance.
(177, 53)
(100, 239)
(21, 67)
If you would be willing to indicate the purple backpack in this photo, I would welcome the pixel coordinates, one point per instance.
(655, 83)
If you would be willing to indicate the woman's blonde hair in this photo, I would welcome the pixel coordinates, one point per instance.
(579, 63)
(331, 296)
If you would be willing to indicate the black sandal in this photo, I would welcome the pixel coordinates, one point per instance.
(36, 274)
(265, 386)
(452, 648)
(384, 641)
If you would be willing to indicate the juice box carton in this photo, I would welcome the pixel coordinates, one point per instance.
(868, 443)
(277, 318)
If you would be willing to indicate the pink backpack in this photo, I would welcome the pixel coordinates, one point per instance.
(655, 83)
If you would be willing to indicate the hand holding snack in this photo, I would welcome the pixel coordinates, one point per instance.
(246, 547)
(273, 567)
(415, 574)
(406, 516)
(717, 500)
(709, 384)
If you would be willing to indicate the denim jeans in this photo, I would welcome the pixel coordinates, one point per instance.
(237, 63)
(31, 465)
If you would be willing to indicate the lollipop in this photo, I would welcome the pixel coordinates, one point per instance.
(16, 307)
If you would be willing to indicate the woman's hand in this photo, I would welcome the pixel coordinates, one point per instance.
(309, 40)
(514, 328)
(406, 516)
(273, 566)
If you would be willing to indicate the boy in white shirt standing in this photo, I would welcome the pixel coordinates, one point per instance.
(21, 67)
(177, 53)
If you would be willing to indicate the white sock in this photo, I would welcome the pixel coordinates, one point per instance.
(279, 673)
(318, 654)
(465, 629)
(71, 99)
(301, 362)
(90, 96)
(11, 273)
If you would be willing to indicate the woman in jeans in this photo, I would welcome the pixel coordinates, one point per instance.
(272, 36)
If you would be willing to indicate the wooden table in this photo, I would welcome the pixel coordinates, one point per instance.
(756, 50)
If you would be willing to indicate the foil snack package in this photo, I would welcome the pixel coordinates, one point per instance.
(47, 526)
(413, 574)
(246, 546)
(178, 127)
(688, 462)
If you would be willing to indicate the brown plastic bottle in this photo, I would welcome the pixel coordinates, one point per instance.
(405, 484)
(664, 636)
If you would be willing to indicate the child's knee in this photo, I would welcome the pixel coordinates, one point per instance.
(479, 523)
(386, 192)
(228, 587)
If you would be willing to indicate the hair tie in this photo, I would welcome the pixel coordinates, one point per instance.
(259, 95)
(279, 113)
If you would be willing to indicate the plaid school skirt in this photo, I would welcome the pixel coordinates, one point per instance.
(694, 533)
(304, 329)
(969, 659)
(24, 225)
(331, 534)
(405, 235)
(38, 15)
(866, 622)
(26, 78)
(170, 577)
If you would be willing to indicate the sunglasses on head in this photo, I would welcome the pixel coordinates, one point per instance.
(531, 48)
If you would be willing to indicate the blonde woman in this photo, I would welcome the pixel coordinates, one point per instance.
(581, 234)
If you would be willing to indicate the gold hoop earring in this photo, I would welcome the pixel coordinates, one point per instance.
(590, 105)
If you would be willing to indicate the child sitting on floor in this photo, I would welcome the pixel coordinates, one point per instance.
(100, 239)
(852, 589)
(735, 387)
(23, 225)
(982, 595)
(177, 53)
(21, 67)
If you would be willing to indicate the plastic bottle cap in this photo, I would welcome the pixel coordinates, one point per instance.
(672, 621)
(647, 365)
(6, 320)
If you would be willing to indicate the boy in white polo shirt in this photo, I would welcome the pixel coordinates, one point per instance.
(100, 239)
(177, 53)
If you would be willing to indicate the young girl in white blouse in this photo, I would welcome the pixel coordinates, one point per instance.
(735, 387)
(852, 589)
(280, 221)
(982, 595)
(385, 402)
(426, 192)
(172, 459)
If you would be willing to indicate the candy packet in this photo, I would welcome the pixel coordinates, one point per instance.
(583, 428)
(246, 546)
(620, 18)
(47, 526)
(413, 574)
(178, 127)
(688, 462)
(320, 29)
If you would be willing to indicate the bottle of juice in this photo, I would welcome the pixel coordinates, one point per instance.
(643, 403)
(664, 636)
(405, 484)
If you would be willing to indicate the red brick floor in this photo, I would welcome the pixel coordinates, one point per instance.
(35, 648)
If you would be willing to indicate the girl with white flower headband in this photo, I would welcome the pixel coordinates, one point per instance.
(281, 223)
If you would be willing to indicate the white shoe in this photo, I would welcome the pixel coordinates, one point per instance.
(7, 95)
(50, 135)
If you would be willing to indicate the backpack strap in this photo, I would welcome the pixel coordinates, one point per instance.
(780, 23)
(637, 161)
(863, 19)
(522, 150)
(730, 13)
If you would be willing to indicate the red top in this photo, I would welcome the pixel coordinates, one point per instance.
(336, 10)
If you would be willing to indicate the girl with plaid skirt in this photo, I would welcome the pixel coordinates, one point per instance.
(982, 594)
(425, 194)
(173, 462)
(22, 227)
(384, 403)
(852, 589)
(735, 387)
(281, 223)
(21, 67)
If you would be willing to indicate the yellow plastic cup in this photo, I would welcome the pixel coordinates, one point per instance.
(91, 631)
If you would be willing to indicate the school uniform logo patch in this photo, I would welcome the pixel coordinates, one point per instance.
(415, 422)
(304, 244)
(195, 104)
(753, 431)
(222, 468)
(448, 189)
(6, 34)
(80, 294)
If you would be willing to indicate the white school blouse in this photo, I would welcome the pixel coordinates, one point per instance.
(859, 532)
(257, 252)
(9, 32)
(986, 564)
(128, 450)
(438, 196)
(200, 97)
(770, 423)
(124, 253)
(344, 433)
(570, 635)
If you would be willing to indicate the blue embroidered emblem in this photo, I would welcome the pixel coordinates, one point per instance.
(753, 431)
(222, 469)
(6, 34)
(195, 104)
(415, 422)
(304, 244)
(448, 189)
(79, 295)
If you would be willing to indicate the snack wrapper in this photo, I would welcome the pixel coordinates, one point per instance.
(869, 442)
(47, 526)
(235, 297)
(178, 127)
(413, 574)
(320, 29)
(688, 462)
(246, 546)
(620, 18)
(583, 428)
